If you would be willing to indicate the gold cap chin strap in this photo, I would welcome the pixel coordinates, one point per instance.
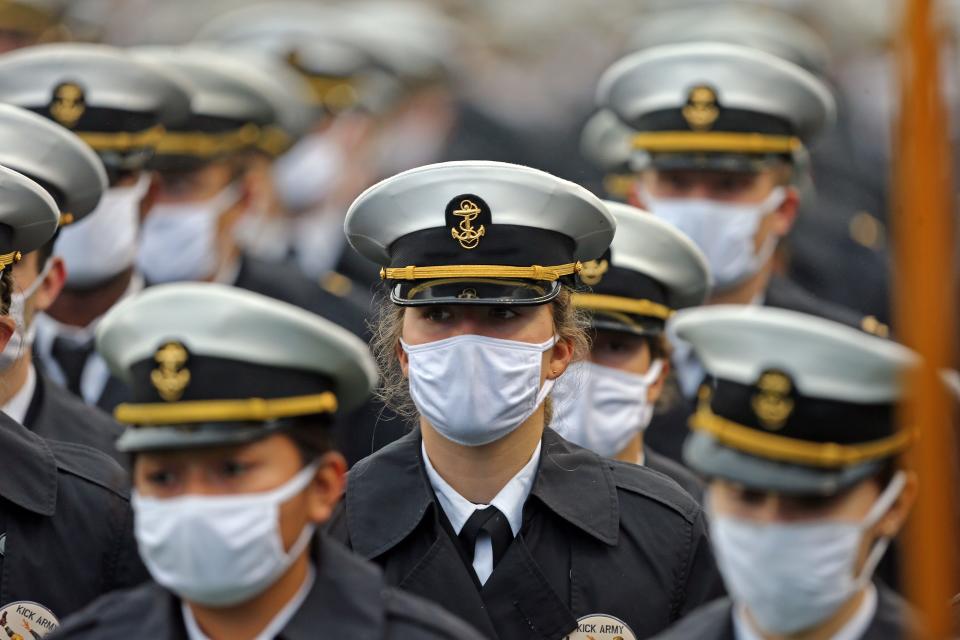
(622, 304)
(8, 259)
(248, 410)
(791, 450)
(123, 141)
(535, 272)
(715, 142)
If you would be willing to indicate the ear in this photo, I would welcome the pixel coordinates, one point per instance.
(786, 213)
(52, 284)
(150, 197)
(561, 355)
(402, 359)
(327, 487)
(892, 522)
(7, 327)
(656, 389)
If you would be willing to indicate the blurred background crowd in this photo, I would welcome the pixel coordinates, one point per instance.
(436, 80)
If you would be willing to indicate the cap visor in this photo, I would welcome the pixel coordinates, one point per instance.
(705, 455)
(712, 161)
(193, 436)
(482, 291)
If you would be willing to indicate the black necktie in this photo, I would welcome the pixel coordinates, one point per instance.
(495, 524)
(72, 358)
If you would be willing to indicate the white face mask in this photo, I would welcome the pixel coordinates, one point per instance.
(793, 576)
(218, 551)
(109, 234)
(473, 389)
(723, 231)
(606, 407)
(179, 241)
(306, 173)
(22, 339)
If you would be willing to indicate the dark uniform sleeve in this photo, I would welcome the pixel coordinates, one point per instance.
(703, 582)
(127, 568)
(412, 618)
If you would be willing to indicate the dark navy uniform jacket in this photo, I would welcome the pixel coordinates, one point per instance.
(67, 520)
(714, 621)
(598, 537)
(57, 414)
(349, 601)
(676, 472)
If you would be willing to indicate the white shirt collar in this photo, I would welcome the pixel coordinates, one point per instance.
(273, 628)
(19, 404)
(509, 500)
(853, 630)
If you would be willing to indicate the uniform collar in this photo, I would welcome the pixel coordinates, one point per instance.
(19, 404)
(34, 485)
(572, 482)
(509, 500)
(346, 600)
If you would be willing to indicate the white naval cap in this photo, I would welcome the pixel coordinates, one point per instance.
(493, 222)
(210, 354)
(115, 104)
(696, 100)
(229, 108)
(650, 271)
(28, 216)
(795, 403)
(55, 158)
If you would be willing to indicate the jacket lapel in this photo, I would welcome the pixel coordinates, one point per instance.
(519, 597)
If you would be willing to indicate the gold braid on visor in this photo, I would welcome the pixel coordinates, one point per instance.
(601, 302)
(249, 410)
(122, 141)
(791, 450)
(535, 272)
(715, 141)
(8, 259)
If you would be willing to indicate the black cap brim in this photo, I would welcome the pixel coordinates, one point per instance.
(705, 455)
(474, 291)
(195, 436)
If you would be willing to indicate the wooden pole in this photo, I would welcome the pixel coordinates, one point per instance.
(924, 293)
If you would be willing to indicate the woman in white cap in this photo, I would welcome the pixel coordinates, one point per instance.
(483, 508)
(796, 432)
(233, 395)
(649, 272)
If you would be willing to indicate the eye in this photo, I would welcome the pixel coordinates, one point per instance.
(503, 313)
(161, 478)
(436, 314)
(752, 496)
(234, 468)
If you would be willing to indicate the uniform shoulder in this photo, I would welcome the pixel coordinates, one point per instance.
(783, 293)
(709, 622)
(650, 485)
(90, 466)
(413, 618)
(683, 476)
(61, 399)
(118, 614)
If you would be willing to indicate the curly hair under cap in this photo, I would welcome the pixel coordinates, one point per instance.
(569, 323)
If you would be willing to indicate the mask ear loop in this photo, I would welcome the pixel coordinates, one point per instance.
(879, 508)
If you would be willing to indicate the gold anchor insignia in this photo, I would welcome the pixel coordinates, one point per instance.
(772, 402)
(170, 378)
(468, 236)
(701, 110)
(68, 104)
(593, 270)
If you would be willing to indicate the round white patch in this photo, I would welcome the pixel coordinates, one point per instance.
(599, 626)
(25, 620)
